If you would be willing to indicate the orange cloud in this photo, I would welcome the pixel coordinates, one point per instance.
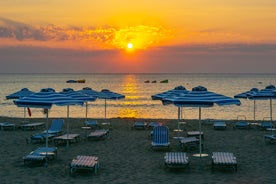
(141, 36)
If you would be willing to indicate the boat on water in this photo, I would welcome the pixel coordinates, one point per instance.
(164, 81)
(76, 81)
(147, 81)
(153, 81)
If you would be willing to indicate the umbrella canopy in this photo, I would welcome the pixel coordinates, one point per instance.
(109, 95)
(177, 91)
(45, 99)
(80, 95)
(21, 93)
(246, 95)
(265, 94)
(201, 97)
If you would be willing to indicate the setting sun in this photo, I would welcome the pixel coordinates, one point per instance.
(129, 45)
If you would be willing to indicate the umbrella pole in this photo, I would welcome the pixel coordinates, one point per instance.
(67, 142)
(86, 113)
(270, 101)
(47, 121)
(254, 110)
(178, 124)
(105, 109)
(200, 149)
(24, 114)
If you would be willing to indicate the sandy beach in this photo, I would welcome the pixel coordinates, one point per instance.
(126, 155)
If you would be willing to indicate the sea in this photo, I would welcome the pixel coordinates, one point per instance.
(138, 102)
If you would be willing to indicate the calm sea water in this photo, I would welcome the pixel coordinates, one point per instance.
(138, 101)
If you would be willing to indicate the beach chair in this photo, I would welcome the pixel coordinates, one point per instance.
(154, 124)
(93, 124)
(160, 138)
(40, 156)
(241, 123)
(90, 163)
(62, 139)
(219, 125)
(265, 124)
(56, 127)
(176, 160)
(53, 131)
(224, 159)
(140, 125)
(98, 135)
(189, 142)
(7, 126)
(271, 138)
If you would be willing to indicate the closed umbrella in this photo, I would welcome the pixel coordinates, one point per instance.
(202, 98)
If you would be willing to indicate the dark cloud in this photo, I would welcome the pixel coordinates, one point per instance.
(21, 31)
(193, 59)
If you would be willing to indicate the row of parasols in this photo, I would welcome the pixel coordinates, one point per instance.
(48, 97)
(181, 97)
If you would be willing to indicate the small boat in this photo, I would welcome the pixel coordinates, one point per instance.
(153, 81)
(147, 81)
(164, 81)
(76, 81)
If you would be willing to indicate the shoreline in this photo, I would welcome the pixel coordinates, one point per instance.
(126, 155)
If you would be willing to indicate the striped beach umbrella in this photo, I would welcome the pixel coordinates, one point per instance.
(268, 93)
(45, 99)
(109, 95)
(202, 98)
(176, 92)
(19, 94)
(246, 95)
(80, 95)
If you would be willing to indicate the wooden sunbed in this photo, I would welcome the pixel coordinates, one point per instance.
(98, 134)
(84, 163)
(66, 137)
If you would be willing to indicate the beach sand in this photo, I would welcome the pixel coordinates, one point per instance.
(126, 156)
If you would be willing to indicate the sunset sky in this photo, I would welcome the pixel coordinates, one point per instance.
(145, 36)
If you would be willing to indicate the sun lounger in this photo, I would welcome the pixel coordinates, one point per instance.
(160, 138)
(219, 125)
(92, 124)
(140, 125)
(98, 135)
(53, 131)
(195, 134)
(154, 124)
(241, 123)
(56, 127)
(66, 137)
(40, 156)
(176, 160)
(265, 125)
(40, 137)
(188, 142)
(7, 126)
(32, 126)
(270, 138)
(224, 159)
(84, 163)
